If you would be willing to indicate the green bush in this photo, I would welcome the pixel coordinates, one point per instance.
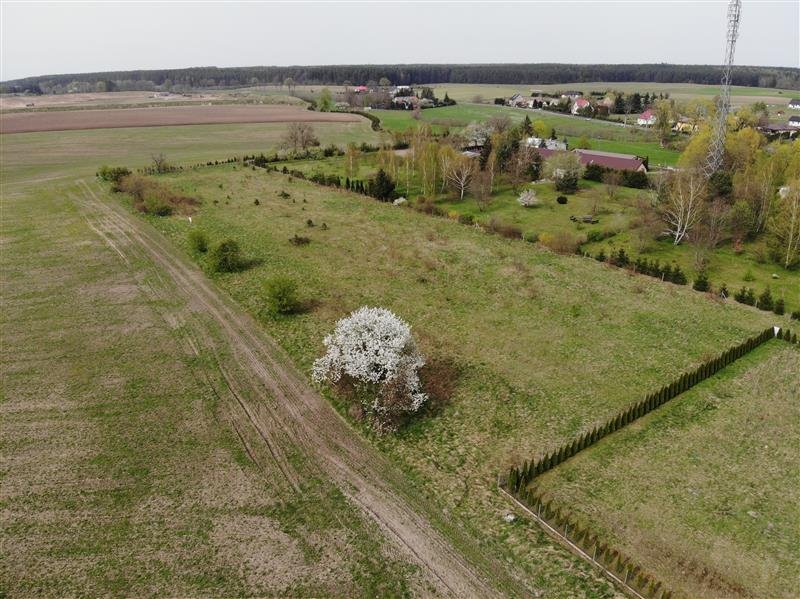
(226, 257)
(779, 307)
(156, 204)
(765, 301)
(701, 282)
(198, 241)
(282, 298)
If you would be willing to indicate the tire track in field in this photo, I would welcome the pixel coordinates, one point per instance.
(107, 228)
(284, 407)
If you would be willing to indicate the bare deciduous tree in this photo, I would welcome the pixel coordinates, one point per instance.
(299, 136)
(460, 171)
(683, 207)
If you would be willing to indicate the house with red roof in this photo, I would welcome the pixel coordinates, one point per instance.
(619, 162)
(646, 119)
(580, 104)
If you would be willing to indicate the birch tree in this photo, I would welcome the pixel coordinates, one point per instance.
(459, 174)
(683, 207)
(784, 227)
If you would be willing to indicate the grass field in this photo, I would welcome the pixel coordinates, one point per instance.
(122, 475)
(460, 115)
(750, 268)
(536, 346)
(703, 492)
(47, 156)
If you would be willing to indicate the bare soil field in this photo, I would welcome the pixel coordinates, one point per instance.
(26, 122)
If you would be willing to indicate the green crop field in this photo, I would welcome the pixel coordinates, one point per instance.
(533, 346)
(703, 491)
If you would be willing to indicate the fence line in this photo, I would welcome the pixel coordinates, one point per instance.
(563, 538)
(520, 477)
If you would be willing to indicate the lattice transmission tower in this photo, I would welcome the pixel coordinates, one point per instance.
(716, 151)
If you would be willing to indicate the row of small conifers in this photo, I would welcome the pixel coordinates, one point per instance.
(520, 477)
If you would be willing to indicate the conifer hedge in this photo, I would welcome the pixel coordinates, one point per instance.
(519, 476)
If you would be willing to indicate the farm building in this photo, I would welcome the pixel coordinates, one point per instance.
(794, 121)
(794, 103)
(580, 104)
(361, 89)
(684, 125)
(647, 118)
(620, 162)
(571, 94)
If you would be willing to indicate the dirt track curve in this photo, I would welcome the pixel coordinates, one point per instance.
(269, 404)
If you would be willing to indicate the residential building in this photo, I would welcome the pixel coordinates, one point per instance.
(646, 119)
(794, 103)
(620, 162)
(580, 104)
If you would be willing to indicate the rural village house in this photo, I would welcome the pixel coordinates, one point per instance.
(580, 104)
(620, 162)
(647, 118)
(794, 121)
(794, 103)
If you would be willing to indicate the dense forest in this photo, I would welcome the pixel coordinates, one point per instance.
(528, 74)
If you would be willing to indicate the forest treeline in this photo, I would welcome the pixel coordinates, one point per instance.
(410, 74)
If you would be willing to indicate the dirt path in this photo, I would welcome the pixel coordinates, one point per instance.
(272, 408)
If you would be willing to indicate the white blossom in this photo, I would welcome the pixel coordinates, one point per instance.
(375, 349)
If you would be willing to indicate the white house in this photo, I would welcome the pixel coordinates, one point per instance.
(647, 118)
(794, 103)
(794, 121)
(580, 104)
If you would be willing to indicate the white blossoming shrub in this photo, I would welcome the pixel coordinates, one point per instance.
(373, 350)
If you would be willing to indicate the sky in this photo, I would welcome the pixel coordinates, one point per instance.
(41, 38)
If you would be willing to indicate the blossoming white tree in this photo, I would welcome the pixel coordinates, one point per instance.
(373, 350)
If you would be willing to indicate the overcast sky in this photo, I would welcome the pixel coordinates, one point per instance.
(71, 37)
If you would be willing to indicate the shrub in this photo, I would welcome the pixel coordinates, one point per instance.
(701, 282)
(601, 256)
(226, 257)
(299, 240)
(381, 187)
(635, 179)
(765, 301)
(373, 351)
(530, 236)
(562, 242)
(156, 204)
(561, 200)
(466, 219)
(745, 296)
(677, 276)
(506, 230)
(113, 174)
(282, 298)
(198, 241)
(795, 315)
(779, 308)
(594, 172)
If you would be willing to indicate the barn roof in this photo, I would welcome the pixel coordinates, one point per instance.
(622, 162)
